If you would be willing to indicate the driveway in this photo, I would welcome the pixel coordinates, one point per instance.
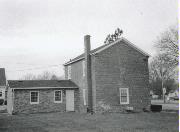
(171, 105)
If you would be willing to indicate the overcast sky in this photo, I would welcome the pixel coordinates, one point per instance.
(40, 35)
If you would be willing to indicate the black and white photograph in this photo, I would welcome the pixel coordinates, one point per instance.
(89, 66)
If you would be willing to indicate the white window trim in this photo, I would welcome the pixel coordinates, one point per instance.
(127, 89)
(54, 97)
(38, 98)
(69, 72)
(83, 68)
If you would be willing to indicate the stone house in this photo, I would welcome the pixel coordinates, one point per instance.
(113, 77)
(32, 96)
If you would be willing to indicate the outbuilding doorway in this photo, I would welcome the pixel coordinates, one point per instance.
(69, 100)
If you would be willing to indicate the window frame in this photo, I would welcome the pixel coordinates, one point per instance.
(127, 90)
(37, 98)
(55, 96)
(69, 72)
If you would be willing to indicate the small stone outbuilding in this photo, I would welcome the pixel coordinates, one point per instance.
(32, 96)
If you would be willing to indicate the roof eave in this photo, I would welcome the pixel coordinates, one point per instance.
(44, 88)
(70, 62)
(128, 42)
(137, 48)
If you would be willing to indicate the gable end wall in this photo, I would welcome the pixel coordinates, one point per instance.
(121, 66)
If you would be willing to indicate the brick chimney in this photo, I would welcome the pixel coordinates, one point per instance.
(2, 77)
(88, 80)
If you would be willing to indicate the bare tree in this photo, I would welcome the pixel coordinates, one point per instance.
(111, 38)
(28, 76)
(46, 75)
(54, 77)
(163, 64)
(160, 68)
(167, 44)
(161, 73)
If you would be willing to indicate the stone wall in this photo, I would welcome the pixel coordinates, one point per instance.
(46, 101)
(121, 66)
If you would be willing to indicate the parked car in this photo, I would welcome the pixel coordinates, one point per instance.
(174, 98)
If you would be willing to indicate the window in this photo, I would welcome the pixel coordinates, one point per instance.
(124, 95)
(34, 97)
(0, 93)
(84, 96)
(69, 72)
(58, 96)
(83, 68)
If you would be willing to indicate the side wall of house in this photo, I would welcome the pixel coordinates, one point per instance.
(78, 78)
(121, 66)
(46, 101)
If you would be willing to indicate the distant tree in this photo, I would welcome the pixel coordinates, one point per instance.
(28, 76)
(167, 44)
(54, 77)
(156, 86)
(46, 75)
(113, 37)
(160, 68)
(163, 73)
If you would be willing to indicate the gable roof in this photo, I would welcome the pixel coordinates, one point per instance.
(105, 46)
(2, 77)
(25, 84)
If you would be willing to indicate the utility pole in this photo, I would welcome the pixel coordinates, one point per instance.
(162, 80)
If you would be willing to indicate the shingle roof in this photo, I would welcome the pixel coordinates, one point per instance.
(80, 57)
(41, 83)
(2, 77)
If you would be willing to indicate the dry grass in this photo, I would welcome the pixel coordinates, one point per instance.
(112, 122)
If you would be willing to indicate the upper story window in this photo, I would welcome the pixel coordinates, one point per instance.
(83, 67)
(124, 95)
(58, 96)
(34, 97)
(69, 72)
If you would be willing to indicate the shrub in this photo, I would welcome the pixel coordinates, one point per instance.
(102, 107)
(1, 101)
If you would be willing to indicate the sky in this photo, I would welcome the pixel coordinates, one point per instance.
(41, 35)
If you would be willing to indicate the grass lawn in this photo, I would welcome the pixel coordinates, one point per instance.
(110, 122)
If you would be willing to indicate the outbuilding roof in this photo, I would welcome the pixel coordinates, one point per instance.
(25, 84)
(105, 46)
(2, 77)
